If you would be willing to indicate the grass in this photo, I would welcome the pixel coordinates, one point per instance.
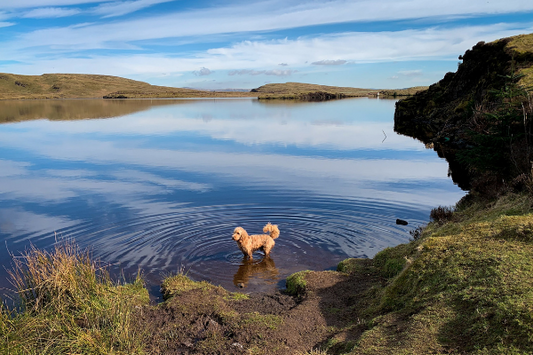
(301, 91)
(255, 319)
(61, 86)
(522, 45)
(463, 287)
(68, 304)
(180, 283)
(296, 284)
(49, 86)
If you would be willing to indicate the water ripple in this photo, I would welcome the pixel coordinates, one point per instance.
(198, 239)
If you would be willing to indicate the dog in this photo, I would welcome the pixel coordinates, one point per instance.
(250, 243)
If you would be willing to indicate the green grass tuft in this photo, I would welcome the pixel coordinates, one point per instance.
(296, 284)
(69, 305)
(178, 284)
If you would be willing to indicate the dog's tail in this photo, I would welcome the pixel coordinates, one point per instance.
(272, 229)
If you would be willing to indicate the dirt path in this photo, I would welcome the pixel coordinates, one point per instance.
(204, 319)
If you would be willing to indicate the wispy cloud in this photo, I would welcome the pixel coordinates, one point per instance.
(21, 4)
(249, 57)
(51, 12)
(202, 72)
(181, 39)
(330, 62)
(275, 72)
(120, 8)
(248, 18)
(416, 72)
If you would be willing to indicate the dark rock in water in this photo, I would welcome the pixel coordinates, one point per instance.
(402, 222)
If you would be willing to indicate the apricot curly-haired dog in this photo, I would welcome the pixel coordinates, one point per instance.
(250, 243)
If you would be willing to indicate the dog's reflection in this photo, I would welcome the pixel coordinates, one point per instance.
(264, 269)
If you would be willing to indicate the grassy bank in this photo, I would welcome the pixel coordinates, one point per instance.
(68, 304)
(463, 285)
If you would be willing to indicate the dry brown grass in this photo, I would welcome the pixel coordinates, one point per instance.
(523, 45)
(48, 86)
(298, 88)
(300, 91)
(68, 304)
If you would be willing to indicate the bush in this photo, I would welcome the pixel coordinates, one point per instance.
(442, 214)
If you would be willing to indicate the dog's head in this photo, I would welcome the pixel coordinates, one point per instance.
(239, 233)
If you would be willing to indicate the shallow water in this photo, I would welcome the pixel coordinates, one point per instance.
(161, 184)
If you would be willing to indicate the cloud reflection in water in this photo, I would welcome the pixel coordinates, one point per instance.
(158, 186)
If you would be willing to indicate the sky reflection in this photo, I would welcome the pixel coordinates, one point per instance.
(130, 185)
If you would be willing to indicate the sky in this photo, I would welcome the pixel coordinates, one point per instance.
(236, 44)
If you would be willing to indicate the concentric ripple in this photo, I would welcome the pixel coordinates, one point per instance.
(315, 234)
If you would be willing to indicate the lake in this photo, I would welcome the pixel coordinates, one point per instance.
(159, 185)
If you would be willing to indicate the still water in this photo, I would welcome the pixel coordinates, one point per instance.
(161, 184)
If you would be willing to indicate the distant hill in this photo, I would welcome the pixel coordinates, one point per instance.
(302, 90)
(55, 86)
(69, 86)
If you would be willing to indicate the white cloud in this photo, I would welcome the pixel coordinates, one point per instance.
(119, 8)
(202, 72)
(275, 72)
(330, 62)
(6, 24)
(258, 16)
(416, 72)
(51, 12)
(21, 4)
(249, 57)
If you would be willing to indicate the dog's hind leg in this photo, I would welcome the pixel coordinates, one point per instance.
(268, 247)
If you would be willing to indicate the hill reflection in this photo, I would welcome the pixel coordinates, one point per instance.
(57, 110)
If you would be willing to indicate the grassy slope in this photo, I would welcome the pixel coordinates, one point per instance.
(466, 286)
(293, 90)
(60, 86)
(69, 305)
(48, 86)
(523, 45)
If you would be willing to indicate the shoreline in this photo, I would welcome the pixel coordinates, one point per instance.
(405, 292)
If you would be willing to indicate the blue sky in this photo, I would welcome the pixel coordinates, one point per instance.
(212, 44)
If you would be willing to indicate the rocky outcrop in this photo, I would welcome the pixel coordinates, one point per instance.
(444, 116)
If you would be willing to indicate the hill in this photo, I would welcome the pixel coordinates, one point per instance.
(61, 86)
(71, 86)
(305, 91)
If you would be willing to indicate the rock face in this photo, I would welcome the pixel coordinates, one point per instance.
(444, 115)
